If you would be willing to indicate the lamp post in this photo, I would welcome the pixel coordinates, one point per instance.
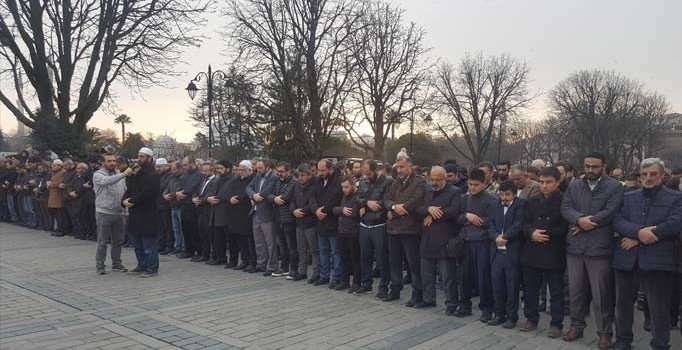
(427, 119)
(192, 90)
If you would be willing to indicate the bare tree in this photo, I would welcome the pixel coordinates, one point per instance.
(72, 51)
(297, 50)
(601, 110)
(476, 96)
(388, 56)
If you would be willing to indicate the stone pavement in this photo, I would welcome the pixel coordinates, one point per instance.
(51, 298)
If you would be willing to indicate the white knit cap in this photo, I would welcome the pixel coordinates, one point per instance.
(246, 164)
(161, 161)
(57, 162)
(146, 151)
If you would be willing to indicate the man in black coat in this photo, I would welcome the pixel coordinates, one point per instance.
(167, 240)
(327, 195)
(306, 237)
(190, 181)
(140, 199)
(347, 241)
(241, 222)
(544, 253)
(439, 211)
(221, 216)
(205, 225)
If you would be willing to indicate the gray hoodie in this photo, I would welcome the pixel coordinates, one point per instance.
(109, 189)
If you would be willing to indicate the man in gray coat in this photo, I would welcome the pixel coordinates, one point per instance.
(264, 228)
(589, 206)
(109, 189)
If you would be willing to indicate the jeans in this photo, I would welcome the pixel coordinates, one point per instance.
(109, 228)
(29, 214)
(176, 220)
(532, 279)
(147, 252)
(11, 207)
(374, 247)
(329, 254)
(448, 271)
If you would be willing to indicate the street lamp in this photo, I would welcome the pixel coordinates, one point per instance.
(192, 90)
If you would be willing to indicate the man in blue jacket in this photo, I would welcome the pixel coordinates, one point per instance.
(504, 230)
(648, 224)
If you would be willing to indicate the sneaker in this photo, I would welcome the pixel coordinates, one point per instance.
(149, 274)
(353, 289)
(297, 277)
(267, 273)
(119, 268)
(135, 271)
(391, 296)
(280, 273)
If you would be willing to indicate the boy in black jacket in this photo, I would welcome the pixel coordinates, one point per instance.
(349, 245)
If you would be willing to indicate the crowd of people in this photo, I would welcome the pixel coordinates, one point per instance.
(505, 233)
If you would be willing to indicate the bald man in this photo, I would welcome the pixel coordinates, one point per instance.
(526, 187)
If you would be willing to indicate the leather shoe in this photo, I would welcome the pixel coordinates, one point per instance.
(321, 282)
(391, 297)
(425, 305)
(463, 312)
(450, 311)
(604, 341)
(572, 335)
(509, 324)
(528, 327)
(495, 321)
(485, 318)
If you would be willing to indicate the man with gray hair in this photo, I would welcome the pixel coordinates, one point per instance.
(648, 225)
(526, 187)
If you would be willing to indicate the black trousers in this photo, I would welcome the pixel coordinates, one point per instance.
(226, 240)
(448, 271)
(410, 244)
(374, 248)
(658, 287)
(190, 229)
(247, 249)
(286, 243)
(59, 216)
(532, 280)
(476, 272)
(205, 234)
(167, 240)
(505, 283)
(73, 211)
(349, 250)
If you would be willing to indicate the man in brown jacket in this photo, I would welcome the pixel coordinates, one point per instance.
(526, 187)
(404, 227)
(55, 204)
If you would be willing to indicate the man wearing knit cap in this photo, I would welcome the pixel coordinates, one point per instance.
(221, 215)
(55, 205)
(241, 223)
(167, 240)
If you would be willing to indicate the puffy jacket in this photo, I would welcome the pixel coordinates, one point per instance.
(301, 199)
(660, 207)
(602, 203)
(373, 191)
(285, 189)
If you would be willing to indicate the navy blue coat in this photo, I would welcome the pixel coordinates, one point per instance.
(510, 226)
(642, 208)
(434, 239)
(263, 209)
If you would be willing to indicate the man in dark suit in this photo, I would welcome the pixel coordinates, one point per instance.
(544, 253)
(504, 230)
(327, 195)
(204, 208)
(221, 215)
(648, 224)
(258, 190)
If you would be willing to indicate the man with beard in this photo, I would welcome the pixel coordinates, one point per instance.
(589, 206)
(169, 195)
(327, 196)
(41, 194)
(189, 183)
(221, 216)
(163, 207)
(439, 212)
(284, 219)
(242, 223)
(491, 186)
(347, 241)
(65, 187)
(87, 213)
(77, 194)
(404, 196)
(372, 232)
(357, 172)
(263, 217)
(306, 238)
(503, 171)
(648, 223)
(567, 174)
(140, 199)
(109, 190)
(204, 208)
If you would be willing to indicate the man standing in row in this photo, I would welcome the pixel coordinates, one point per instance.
(405, 195)
(221, 217)
(327, 196)
(163, 207)
(526, 188)
(284, 219)
(589, 206)
(306, 237)
(205, 227)
(242, 223)
(263, 217)
(189, 183)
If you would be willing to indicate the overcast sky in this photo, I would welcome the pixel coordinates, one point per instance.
(639, 39)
